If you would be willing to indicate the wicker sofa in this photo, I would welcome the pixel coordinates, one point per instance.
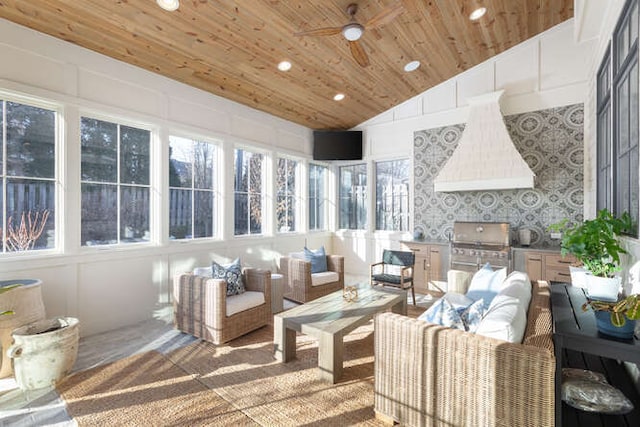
(430, 375)
(298, 280)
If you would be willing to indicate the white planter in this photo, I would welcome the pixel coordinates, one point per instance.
(579, 276)
(603, 288)
(44, 352)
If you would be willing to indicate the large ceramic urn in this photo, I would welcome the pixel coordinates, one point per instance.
(26, 303)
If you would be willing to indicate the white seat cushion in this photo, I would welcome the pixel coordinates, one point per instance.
(244, 301)
(319, 279)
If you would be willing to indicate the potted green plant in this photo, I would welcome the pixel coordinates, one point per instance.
(616, 318)
(595, 244)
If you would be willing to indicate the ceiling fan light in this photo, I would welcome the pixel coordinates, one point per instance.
(411, 66)
(478, 13)
(284, 66)
(353, 31)
(169, 5)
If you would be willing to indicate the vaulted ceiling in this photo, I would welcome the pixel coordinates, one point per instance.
(232, 48)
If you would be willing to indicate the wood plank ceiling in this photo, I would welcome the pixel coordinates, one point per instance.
(231, 48)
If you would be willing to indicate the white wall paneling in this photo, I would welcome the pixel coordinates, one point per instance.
(440, 98)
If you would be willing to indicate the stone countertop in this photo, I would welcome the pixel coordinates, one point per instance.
(554, 249)
(426, 241)
(516, 247)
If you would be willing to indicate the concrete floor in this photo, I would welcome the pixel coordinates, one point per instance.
(44, 407)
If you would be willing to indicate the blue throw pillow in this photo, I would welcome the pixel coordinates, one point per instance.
(232, 274)
(317, 258)
(443, 313)
(472, 316)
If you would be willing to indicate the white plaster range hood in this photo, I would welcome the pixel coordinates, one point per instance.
(485, 158)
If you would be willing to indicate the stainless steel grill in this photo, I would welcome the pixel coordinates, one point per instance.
(476, 243)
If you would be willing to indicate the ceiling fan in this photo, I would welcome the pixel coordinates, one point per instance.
(354, 30)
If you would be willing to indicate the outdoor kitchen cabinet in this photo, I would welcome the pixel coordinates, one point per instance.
(430, 260)
(533, 265)
(545, 265)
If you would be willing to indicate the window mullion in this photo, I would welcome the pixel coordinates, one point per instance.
(4, 175)
(118, 186)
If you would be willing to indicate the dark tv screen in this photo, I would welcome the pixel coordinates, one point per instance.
(337, 145)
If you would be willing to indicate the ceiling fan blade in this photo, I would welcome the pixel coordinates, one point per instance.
(385, 16)
(328, 31)
(359, 54)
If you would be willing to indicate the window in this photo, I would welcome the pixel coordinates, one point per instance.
(353, 197)
(617, 120)
(192, 201)
(248, 192)
(27, 161)
(317, 197)
(392, 195)
(115, 183)
(603, 152)
(286, 175)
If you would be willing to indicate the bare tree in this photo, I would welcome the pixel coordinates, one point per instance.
(24, 236)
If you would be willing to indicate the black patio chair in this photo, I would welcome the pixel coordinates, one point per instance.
(395, 269)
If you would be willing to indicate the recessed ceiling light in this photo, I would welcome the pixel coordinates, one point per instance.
(169, 5)
(478, 13)
(338, 97)
(412, 66)
(284, 66)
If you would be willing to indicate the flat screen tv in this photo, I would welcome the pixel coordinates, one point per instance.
(337, 145)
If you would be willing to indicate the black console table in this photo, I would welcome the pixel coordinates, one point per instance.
(578, 344)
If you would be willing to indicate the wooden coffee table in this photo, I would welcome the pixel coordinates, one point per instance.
(329, 319)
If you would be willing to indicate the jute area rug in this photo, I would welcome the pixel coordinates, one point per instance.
(239, 383)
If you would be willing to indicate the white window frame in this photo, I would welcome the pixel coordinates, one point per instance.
(298, 211)
(374, 192)
(155, 210)
(324, 211)
(265, 195)
(217, 190)
(367, 202)
(58, 180)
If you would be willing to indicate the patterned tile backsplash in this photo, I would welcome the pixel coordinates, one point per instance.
(550, 141)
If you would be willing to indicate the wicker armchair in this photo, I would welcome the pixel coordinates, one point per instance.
(200, 306)
(298, 280)
(430, 375)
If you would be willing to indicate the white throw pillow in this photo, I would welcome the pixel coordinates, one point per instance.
(505, 320)
(486, 283)
(518, 285)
